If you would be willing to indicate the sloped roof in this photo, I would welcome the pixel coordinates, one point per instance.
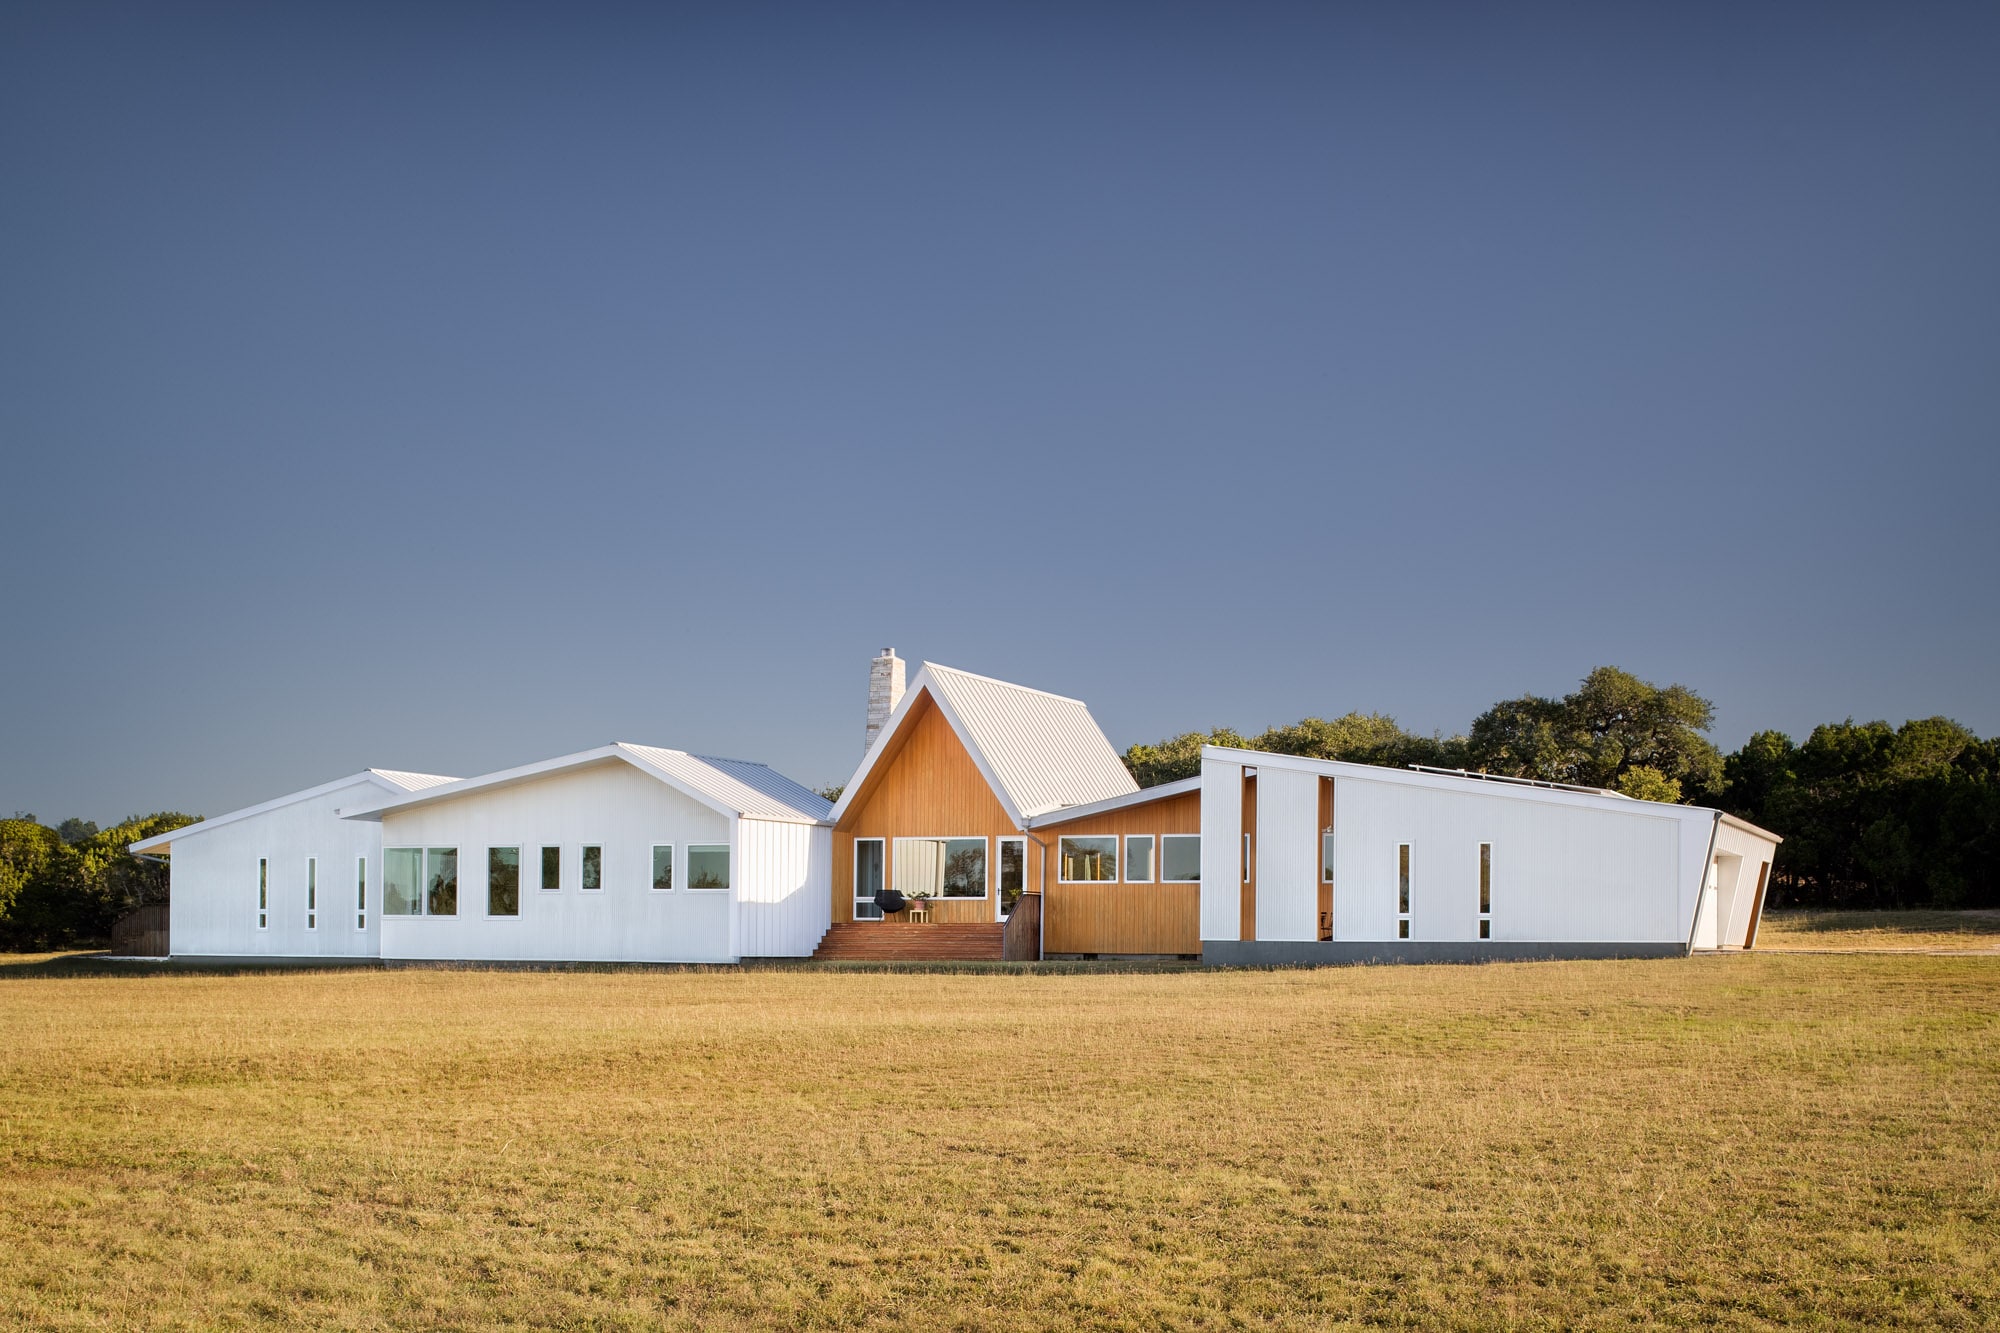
(388, 779)
(728, 786)
(1038, 751)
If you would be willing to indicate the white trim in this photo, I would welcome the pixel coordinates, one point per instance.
(1117, 850)
(986, 866)
(167, 839)
(999, 857)
(729, 850)
(653, 868)
(1163, 859)
(922, 687)
(1165, 790)
(1152, 868)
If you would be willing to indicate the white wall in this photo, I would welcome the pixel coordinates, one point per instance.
(1742, 855)
(1221, 850)
(785, 888)
(1287, 865)
(213, 907)
(611, 805)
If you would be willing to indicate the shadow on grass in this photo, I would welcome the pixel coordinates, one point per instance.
(1809, 921)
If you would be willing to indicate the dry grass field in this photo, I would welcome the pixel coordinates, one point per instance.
(1731, 1141)
(1949, 931)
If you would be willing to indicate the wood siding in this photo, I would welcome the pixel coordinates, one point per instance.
(1249, 919)
(1123, 918)
(926, 786)
(1319, 859)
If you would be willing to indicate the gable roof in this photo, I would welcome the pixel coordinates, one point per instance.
(1165, 791)
(1038, 751)
(390, 780)
(727, 786)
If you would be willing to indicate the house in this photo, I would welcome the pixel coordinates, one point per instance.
(625, 853)
(288, 878)
(986, 820)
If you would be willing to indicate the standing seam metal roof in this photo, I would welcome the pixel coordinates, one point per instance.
(748, 788)
(1045, 751)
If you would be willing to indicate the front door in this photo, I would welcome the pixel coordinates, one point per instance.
(1013, 874)
(867, 878)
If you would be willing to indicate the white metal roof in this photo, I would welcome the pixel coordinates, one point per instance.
(390, 780)
(1038, 751)
(1141, 797)
(728, 786)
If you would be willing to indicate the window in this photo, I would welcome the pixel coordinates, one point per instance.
(551, 869)
(312, 893)
(708, 865)
(263, 893)
(1485, 890)
(1246, 858)
(663, 866)
(1326, 857)
(1180, 858)
(940, 867)
(593, 869)
(361, 893)
(867, 878)
(1088, 860)
(420, 881)
(1013, 872)
(1402, 890)
(1139, 859)
(503, 881)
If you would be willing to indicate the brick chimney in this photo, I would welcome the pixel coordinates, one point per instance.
(885, 691)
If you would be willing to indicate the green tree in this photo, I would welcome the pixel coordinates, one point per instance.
(1177, 757)
(1644, 783)
(1611, 724)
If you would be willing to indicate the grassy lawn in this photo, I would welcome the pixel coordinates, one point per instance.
(1733, 1141)
(1880, 930)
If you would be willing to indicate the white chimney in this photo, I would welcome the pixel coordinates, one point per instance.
(885, 691)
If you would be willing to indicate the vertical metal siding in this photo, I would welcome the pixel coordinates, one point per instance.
(1221, 850)
(1287, 855)
(783, 898)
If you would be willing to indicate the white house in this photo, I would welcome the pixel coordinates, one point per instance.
(625, 853)
(285, 879)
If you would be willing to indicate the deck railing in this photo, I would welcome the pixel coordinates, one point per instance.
(1022, 940)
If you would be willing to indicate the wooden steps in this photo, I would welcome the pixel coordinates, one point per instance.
(897, 941)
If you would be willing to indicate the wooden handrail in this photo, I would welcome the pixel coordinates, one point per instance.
(1022, 940)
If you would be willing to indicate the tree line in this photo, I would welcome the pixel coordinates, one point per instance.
(1872, 815)
(64, 886)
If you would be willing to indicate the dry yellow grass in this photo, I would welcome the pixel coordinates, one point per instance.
(1734, 1141)
(1815, 930)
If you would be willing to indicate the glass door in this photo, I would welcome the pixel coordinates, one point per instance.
(867, 878)
(1013, 873)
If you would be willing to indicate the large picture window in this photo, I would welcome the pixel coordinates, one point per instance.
(1180, 858)
(503, 881)
(941, 867)
(420, 881)
(708, 865)
(1088, 860)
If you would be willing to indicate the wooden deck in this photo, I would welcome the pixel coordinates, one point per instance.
(896, 941)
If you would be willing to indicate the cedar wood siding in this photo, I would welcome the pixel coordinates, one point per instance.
(926, 786)
(1123, 918)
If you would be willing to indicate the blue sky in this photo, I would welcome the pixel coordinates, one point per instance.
(449, 389)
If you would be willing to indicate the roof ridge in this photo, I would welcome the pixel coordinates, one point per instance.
(995, 680)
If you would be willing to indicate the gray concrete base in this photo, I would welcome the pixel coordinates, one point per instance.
(1331, 953)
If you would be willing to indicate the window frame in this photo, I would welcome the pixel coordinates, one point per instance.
(728, 850)
(653, 868)
(312, 893)
(1486, 890)
(1000, 842)
(361, 893)
(854, 877)
(582, 849)
(1152, 864)
(986, 866)
(542, 849)
(423, 885)
(1163, 859)
(515, 848)
(1117, 853)
(1405, 874)
(263, 893)
(1326, 849)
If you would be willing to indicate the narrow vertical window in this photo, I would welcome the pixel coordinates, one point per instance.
(1246, 858)
(312, 893)
(440, 881)
(263, 894)
(868, 862)
(551, 869)
(593, 869)
(1485, 890)
(663, 866)
(503, 881)
(361, 893)
(1013, 873)
(1326, 857)
(1402, 890)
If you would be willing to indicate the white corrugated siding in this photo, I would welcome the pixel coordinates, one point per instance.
(1221, 850)
(785, 888)
(1046, 751)
(1287, 854)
